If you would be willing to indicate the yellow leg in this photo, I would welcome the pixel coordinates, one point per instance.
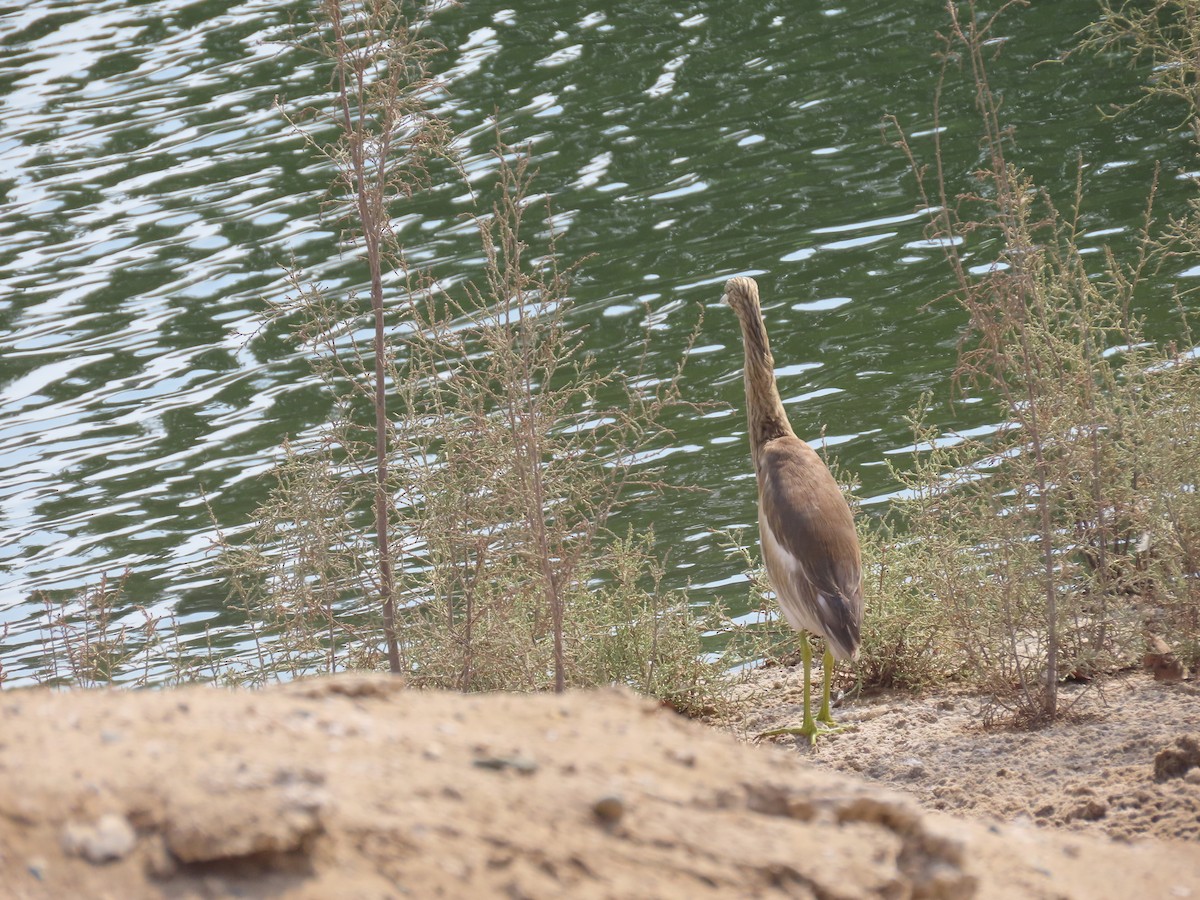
(825, 715)
(808, 727)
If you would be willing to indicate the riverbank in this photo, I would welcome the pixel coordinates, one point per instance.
(1094, 771)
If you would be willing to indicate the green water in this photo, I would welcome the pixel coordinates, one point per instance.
(150, 192)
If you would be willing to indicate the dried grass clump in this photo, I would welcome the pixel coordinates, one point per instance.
(97, 637)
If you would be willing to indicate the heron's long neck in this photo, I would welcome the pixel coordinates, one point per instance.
(764, 410)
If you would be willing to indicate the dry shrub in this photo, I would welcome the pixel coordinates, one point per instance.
(1051, 545)
(516, 454)
(96, 638)
(1162, 39)
(1167, 446)
(305, 578)
(466, 486)
(86, 640)
(1164, 35)
(509, 455)
(904, 644)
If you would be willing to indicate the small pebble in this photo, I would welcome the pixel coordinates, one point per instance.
(110, 838)
(683, 757)
(522, 764)
(609, 809)
(1090, 811)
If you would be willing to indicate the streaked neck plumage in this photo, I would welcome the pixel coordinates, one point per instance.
(764, 410)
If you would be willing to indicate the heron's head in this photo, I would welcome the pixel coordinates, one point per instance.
(741, 294)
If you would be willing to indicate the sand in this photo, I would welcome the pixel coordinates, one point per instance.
(357, 787)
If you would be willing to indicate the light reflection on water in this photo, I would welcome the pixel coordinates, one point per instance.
(150, 193)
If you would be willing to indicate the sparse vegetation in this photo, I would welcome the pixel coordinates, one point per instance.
(1051, 546)
(97, 639)
(1165, 34)
(494, 472)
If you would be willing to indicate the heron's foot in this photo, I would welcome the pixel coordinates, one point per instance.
(828, 726)
(808, 730)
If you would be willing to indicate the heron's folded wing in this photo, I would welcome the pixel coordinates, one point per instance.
(812, 523)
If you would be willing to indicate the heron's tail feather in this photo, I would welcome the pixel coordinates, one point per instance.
(841, 625)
